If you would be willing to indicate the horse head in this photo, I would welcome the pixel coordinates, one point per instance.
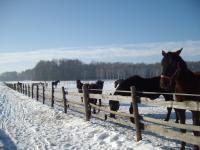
(171, 64)
(100, 83)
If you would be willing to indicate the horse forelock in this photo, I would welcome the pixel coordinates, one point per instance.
(173, 56)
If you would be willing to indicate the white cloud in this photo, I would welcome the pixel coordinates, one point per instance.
(143, 52)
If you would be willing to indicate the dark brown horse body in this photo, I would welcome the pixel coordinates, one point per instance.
(94, 88)
(141, 84)
(174, 68)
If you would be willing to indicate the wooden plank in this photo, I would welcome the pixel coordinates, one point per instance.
(103, 96)
(70, 93)
(189, 105)
(188, 138)
(111, 97)
(73, 102)
(79, 109)
(171, 124)
(57, 99)
(118, 120)
(110, 111)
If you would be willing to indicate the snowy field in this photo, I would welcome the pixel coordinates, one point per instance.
(28, 124)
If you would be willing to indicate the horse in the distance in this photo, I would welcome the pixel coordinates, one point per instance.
(79, 86)
(19, 85)
(55, 83)
(142, 85)
(94, 88)
(175, 70)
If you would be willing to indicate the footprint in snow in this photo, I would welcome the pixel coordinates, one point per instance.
(102, 136)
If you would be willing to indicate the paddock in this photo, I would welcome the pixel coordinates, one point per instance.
(71, 99)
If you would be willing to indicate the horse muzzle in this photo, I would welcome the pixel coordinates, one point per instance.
(165, 82)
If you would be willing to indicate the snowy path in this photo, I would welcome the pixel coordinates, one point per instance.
(29, 124)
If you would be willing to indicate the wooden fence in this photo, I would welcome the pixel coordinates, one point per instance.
(157, 126)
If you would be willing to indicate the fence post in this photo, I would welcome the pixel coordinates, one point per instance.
(32, 90)
(86, 102)
(43, 94)
(22, 88)
(28, 90)
(37, 95)
(25, 89)
(64, 99)
(136, 114)
(52, 95)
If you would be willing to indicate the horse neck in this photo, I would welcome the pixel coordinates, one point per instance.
(184, 81)
(151, 84)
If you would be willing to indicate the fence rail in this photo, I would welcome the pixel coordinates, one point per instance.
(160, 127)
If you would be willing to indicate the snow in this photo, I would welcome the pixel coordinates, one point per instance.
(28, 124)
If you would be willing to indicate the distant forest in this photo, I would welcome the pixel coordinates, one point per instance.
(75, 69)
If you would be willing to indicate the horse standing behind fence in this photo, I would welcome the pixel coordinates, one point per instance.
(79, 86)
(55, 83)
(141, 84)
(19, 85)
(174, 70)
(45, 84)
(94, 88)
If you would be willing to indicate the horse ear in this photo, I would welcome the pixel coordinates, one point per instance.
(163, 53)
(179, 51)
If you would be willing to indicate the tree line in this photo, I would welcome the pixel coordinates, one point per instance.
(65, 69)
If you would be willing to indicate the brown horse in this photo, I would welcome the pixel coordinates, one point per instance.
(79, 86)
(94, 88)
(175, 71)
(141, 84)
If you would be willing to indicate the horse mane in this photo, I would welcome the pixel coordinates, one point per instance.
(140, 83)
(117, 82)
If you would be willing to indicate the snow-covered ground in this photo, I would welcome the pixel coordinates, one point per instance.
(28, 124)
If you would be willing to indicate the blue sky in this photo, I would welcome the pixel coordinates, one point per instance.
(132, 30)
